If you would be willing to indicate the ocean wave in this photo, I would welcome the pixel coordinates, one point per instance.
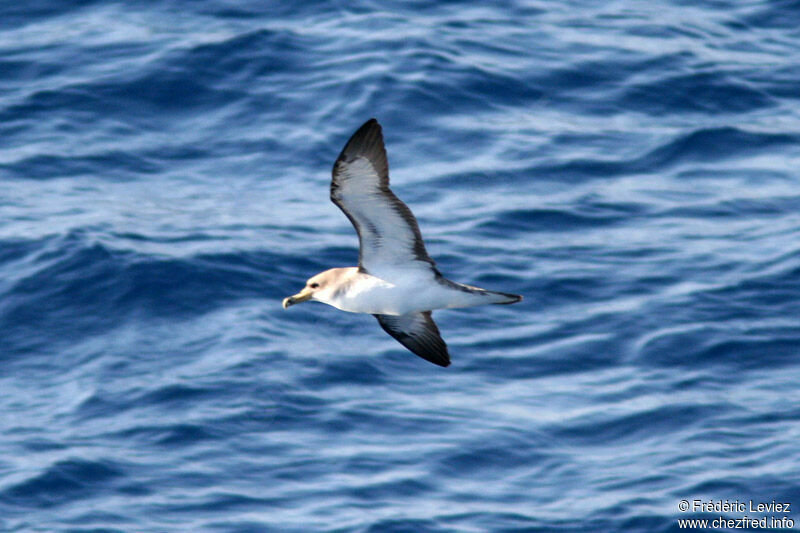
(631, 172)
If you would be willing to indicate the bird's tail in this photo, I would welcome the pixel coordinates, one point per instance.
(502, 298)
(480, 296)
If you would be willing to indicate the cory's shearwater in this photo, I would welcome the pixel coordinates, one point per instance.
(395, 280)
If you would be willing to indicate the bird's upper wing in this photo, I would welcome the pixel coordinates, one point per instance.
(388, 233)
(418, 333)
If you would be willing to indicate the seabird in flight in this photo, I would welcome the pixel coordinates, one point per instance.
(395, 280)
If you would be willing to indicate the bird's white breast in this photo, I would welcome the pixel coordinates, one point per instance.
(408, 292)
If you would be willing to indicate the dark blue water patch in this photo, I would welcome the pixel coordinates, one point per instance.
(56, 63)
(429, 78)
(543, 220)
(755, 422)
(100, 405)
(181, 435)
(754, 296)
(218, 501)
(703, 311)
(714, 144)
(507, 90)
(501, 522)
(139, 98)
(222, 10)
(214, 519)
(586, 76)
(15, 249)
(702, 145)
(709, 93)
(44, 300)
(627, 428)
(20, 70)
(151, 94)
(329, 257)
(399, 488)
(407, 525)
(247, 526)
(111, 165)
(480, 459)
(183, 285)
(63, 482)
(781, 14)
(16, 15)
(69, 103)
(780, 82)
(81, 288)
(435, 92)
(167, 436)
(751, 353)
(226, 393)
(99, 521)
(168, 239)
(654, 481)
(775, 206)
(583, 286)
(390, 423)
(173, 396)
(469, 181)
(346, 369)
(294, 410)
(580, 215)
(549, 360)
(100, 517)
(41, 445)
(709, 348)
(598, 86)
(262, 53)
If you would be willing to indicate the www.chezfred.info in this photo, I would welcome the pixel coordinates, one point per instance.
(753, 514)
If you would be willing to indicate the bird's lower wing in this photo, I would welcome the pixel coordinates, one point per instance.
(418, 333)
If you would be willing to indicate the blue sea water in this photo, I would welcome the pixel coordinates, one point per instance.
(630, 167)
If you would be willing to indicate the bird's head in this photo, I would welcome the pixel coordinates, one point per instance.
(317, 288)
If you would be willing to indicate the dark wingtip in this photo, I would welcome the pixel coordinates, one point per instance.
(442, 360)
(367, 142)
(440, 357)
(370, 127)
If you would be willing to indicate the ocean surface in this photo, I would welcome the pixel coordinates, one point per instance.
(631, 168)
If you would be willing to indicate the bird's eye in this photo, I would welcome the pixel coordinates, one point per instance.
(314, 285)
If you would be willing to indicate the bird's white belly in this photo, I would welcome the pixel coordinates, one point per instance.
(375, 296)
